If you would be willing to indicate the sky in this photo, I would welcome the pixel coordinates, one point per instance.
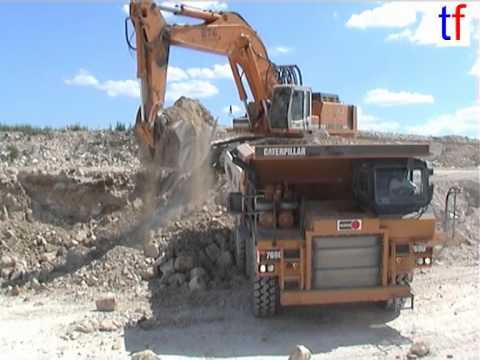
(65, 63)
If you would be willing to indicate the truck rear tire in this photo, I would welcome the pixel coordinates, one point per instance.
(266, 296)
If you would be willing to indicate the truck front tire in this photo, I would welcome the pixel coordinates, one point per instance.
(266, 296)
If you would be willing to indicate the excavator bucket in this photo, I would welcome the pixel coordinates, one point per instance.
(182, 136)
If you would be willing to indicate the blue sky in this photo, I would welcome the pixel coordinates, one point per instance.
(65, 63)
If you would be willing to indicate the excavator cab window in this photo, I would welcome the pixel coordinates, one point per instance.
(291, 107)
(279, 109)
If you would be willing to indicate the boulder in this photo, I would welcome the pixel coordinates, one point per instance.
(176, 280)
(197, 283)
(225, 260)
(213, 252)
(183, 263)
(145, 355)
(418, 349)
(198, 272)
(106, 303)
(7, 261)
(300, 353)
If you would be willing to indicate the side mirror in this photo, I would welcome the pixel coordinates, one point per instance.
(235, 202)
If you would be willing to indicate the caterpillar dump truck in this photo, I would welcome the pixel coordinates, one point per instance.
(319, 220)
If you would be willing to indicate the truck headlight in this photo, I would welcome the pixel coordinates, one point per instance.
(427, 261)
(263, 268)
(419, 261)
(271, 268)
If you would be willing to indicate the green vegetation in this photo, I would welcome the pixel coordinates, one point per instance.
(120, 126)
(13, 152)
(76, 127)
(25, 129)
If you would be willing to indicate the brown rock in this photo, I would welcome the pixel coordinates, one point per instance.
(300, 353)
(108, 325)
(106, 303)
(86, 326)
(419, 349)
(183, 263)
(7, 262)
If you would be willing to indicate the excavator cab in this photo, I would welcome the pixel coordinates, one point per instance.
(291, 108)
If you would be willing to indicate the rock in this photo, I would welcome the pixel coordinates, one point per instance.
(106, 303)
(48, 257)
(35, 284)
(76, 257)
(145, 355)
(137, 204)
(300, 353)
(183, 263)
(81, 236)
(86, 326)
(150, 249)
(148, 274)
(4, 214)
(198, 272)
(225, 260)
(7, 262)
(15, 291)
(176, 280)
(205, 261)
(167, 268)
(220, 240)
(197, 283)
(29, 215)
(5, 273)
(213, 252)
(108, 325)
(419, 349)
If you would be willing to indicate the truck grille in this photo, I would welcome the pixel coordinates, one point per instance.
(346, 261)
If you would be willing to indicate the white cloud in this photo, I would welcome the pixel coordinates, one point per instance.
(426, 30)
(391, 15)
(191, 88)
(216, 72)
(114, 88)
(384, 97)
(126, 9)
(404, 34)
(82, 78)
(111, 87)
(369, 122)
(176, 74)
(234, 109)
(280, 50)
(464, 122)
(192, 82)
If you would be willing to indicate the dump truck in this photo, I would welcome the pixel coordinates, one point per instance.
(318, 220)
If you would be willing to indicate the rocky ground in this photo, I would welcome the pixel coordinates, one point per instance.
(81, 219)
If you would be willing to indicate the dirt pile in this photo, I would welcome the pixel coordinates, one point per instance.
(79, 213)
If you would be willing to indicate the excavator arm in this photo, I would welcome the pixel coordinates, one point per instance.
(223, 33)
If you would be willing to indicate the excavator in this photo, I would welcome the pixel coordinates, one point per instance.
(280, 106)
(316, 222)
